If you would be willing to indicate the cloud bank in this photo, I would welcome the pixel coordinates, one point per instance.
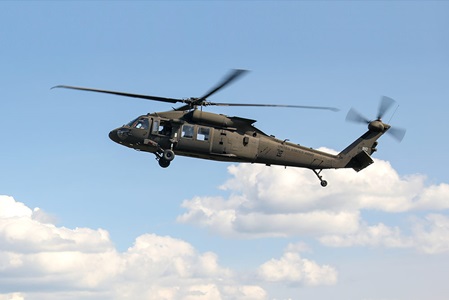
(265, 201)
(39, 260)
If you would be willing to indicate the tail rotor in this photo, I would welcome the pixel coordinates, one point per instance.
(385, 104)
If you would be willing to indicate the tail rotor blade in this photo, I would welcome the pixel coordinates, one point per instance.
(356, 117)
(397, 133)
(384, 106)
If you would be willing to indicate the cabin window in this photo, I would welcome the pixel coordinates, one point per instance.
(187, 131)
(203, 134)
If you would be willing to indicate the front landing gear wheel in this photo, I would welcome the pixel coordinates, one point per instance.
(164, 163)
(168, 155)
(323, 183)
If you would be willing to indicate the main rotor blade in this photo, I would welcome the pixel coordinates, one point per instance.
(146, 97)
(272, 105)
(384, 106)
(233, 75)
(355, 116)
(397, 133)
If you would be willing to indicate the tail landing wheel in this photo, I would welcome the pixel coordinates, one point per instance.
(322, 181)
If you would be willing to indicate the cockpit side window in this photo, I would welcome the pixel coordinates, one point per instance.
(155, 128)
(161, 127)
(142, 124)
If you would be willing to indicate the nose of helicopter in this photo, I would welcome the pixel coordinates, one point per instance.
(119, 135)
(113, 135)
(116, 135)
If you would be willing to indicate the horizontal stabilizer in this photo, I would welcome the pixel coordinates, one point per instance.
(360, 161)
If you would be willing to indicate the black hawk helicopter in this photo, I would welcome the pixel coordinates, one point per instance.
(190, 131)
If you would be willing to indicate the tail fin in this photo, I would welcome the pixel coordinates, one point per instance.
(358, 154)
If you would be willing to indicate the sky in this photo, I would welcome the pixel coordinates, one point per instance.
(84, 218)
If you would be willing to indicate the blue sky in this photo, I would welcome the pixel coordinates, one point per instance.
(234, 231)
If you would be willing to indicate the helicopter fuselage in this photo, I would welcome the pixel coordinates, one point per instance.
(215, 137)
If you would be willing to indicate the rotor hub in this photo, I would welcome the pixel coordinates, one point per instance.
(378, 126)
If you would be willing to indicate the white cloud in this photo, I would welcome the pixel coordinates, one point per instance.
(277, 202)
(298, 247)
(42, 261)
(293, 189)
(168, 257)
(293, 269)
(215, 214)
(431, 234)
(12, 296)
(22, 233)
(377, 235)
(10, 208)
(290, 224)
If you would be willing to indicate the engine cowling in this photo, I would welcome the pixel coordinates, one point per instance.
(212, 119)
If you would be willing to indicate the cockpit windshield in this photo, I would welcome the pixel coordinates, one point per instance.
(130, 124)
(140, 123)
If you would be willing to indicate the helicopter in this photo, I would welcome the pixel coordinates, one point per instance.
(190, 131)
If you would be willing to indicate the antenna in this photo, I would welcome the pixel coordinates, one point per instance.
(389, 121)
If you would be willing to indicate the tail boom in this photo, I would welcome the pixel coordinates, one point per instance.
(358, 155)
